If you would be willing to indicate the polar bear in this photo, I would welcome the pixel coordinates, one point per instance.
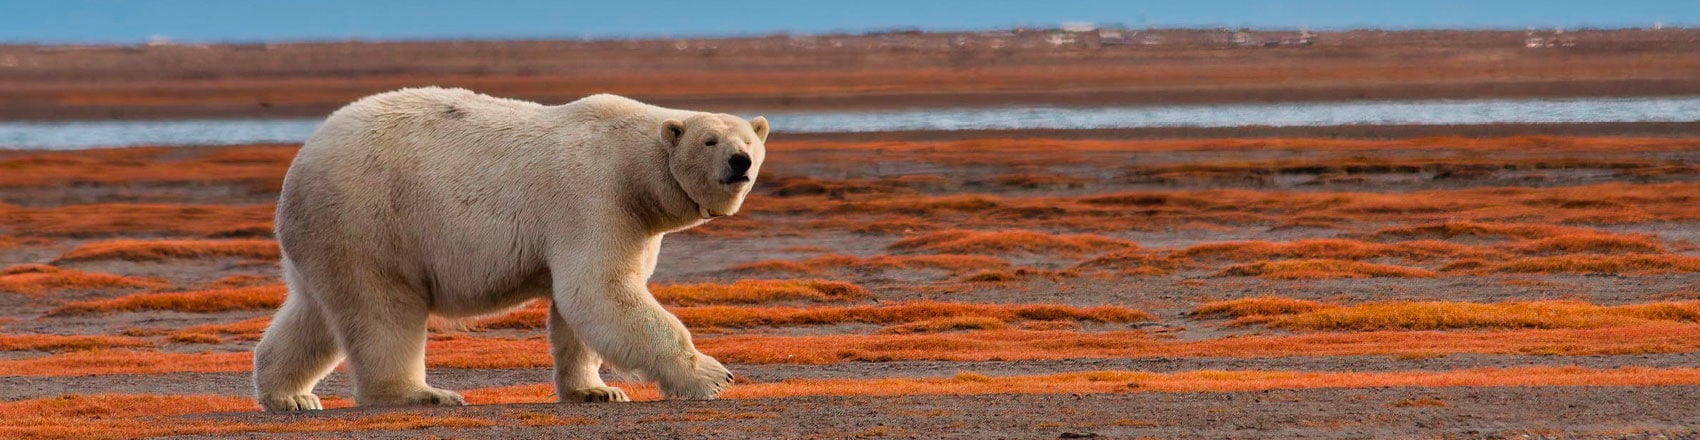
(448, 202)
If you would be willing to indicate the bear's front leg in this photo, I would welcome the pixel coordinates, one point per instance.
(622, 322)
(578, 375)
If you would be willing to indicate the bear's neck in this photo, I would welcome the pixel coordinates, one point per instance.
(653, 198)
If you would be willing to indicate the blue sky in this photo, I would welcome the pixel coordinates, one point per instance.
(121, 21)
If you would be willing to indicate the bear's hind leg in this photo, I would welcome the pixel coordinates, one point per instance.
(577, 367)
(295, 353)
(382, 326)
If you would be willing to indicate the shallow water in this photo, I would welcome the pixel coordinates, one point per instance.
(88, 134)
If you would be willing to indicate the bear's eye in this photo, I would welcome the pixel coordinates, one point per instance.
(712, 142)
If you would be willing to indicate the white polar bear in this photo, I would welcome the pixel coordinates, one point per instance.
(448, 202)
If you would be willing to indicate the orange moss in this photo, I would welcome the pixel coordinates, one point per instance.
(951, 263)
(117, 416)
(741, 317)
(759, 291)
(1133, 262)
(1319, 269)
(981, 242)
(35, 279)
(1012, 345)
(1036, 180)
(1005, 345)
(939, 325)
(895, 226)
(256, 166)
(195, 338)
(244, 330)
(240, 280)
(205, 301)
(1333, 249)
(66, 343)
(1511, 315)
(105, 219)
(100, 361)
(1449, 230)
(138, 250)
(1258, 306)
(1592, 243)
(1634, 264)
(1098, 382)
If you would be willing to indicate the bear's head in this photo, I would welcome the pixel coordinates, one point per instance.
(715, 158)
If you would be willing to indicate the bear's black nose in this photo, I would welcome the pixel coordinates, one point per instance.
(740, 164)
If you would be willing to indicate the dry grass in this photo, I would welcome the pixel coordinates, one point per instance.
(38, 279)
(205, 301)
(817, 265)
(759, 291)
(1015, 241)
(744, 317)
(1258, 306)
(1510, 315)
(1323, 269)
(66, 343)
(140, 250)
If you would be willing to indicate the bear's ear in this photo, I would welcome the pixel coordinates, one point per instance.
(671, 131)
(760, 124)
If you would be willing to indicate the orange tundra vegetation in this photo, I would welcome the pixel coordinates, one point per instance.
(1436, 315)
(740, 317)
(259, 166)
(1012, 345)
(1097, 382)
(1321, 269)
(816, 265)
(106, 219)
(460, 351)
(35, 279)
(1632, 264)
(117, 416)
(64, 343)
(204, 301)
(147, 250)
(1332, 248)
(758, 291)
(1611, 203)
(982, 242)
(1001, 146)
(1263, 305)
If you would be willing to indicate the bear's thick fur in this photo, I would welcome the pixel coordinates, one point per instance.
(448, 202)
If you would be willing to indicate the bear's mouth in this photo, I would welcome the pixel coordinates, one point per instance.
(733, 180)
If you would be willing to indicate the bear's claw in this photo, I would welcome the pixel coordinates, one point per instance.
(298, 402)
(597, 394)
(703, 382)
